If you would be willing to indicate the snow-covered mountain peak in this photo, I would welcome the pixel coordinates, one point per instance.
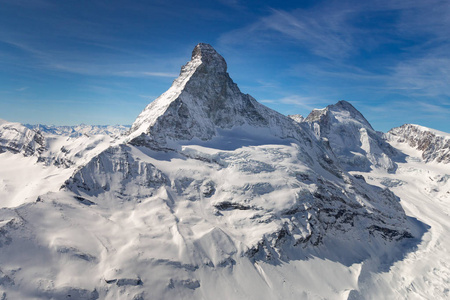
(246, 203)
(202, 101)
(80, 130)
(351, 137)
(342, 111)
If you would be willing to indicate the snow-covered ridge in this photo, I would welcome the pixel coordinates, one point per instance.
(79, 130)
(34, 162)
(434, 144)
(62, 146)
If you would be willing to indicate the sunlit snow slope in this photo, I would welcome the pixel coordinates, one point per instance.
(34, 162)
(212, 195)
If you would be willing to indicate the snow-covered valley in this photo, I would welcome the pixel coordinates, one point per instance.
(211, 195)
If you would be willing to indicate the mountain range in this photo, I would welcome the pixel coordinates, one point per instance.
(210, 194)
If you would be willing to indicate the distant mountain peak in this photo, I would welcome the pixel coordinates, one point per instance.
(434, 144)
(352, 139)
(341, 109)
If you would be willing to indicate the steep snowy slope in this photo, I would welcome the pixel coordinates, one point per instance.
(435, 145)
(352, 139)
(212, 195)
(424, 190)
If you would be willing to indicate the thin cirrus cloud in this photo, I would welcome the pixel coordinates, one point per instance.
(110, 70)
(322, 35)
(428, 76)
(385, 47)
(337, 30)
(145, 74)
(308, 103)
(72, 63)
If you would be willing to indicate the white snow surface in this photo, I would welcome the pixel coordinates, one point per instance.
(33, 163)
(214, 196)
(424, 190)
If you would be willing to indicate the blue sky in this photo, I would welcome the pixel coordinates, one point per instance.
(101, 62)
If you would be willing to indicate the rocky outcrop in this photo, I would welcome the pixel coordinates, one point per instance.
(435, 145)
(16, 138)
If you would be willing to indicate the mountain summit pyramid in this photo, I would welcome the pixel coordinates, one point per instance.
(203, 100)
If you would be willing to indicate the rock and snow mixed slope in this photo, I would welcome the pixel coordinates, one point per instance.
(16, 138)
(352, 139)
(213, 195)
(434, 144)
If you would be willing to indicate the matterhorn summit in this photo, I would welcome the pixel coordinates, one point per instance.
(202, 101)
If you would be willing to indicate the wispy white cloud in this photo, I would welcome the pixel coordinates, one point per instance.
(411, 111)
(22, 89)
(321, 33)
(268, 101)
(76, 63)
(332, 30)
(235, 4)
(145, 74)
(306, 103)
(425, 76)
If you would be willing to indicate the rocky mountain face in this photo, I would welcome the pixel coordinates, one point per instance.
(352, 139)
(435, 145)
(210, 190)
(201, 102)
